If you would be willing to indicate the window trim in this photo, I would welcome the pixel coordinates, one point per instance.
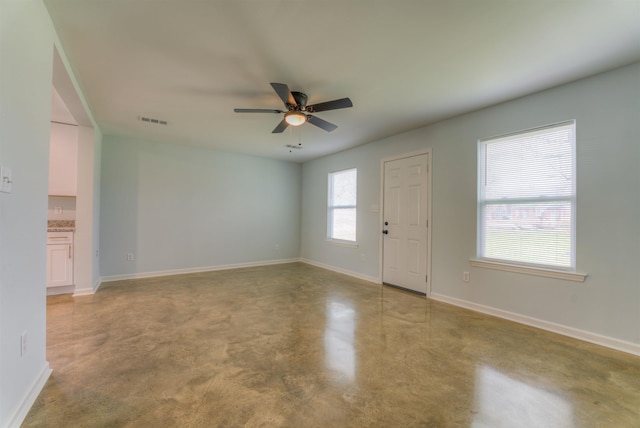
(330, 209)
(561, 272)
(341, 243)
(529, 270)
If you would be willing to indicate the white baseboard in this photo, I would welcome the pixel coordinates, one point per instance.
(87, 291)
(65, 289)
(30, 397)
(83, 292)
(609, 342)
(194, 270)
(342, 271)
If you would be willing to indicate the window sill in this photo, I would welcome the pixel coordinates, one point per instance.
(339, 243)
(548, 273)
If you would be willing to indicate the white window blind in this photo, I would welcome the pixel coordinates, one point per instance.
(526, 197)
(343, 187)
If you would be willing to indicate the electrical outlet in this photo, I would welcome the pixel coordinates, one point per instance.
(58, 210)
(23, 344)
(130, 257)
(465, 276)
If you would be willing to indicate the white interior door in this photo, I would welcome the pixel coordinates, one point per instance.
(405, 228)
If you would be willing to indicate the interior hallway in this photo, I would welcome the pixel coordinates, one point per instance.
(298, 346)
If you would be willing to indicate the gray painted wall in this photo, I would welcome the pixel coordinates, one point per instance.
(606, 108)
(27, 40)
(26, 49)
(179, 208)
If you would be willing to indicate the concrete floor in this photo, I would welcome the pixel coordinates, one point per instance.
(298, 346)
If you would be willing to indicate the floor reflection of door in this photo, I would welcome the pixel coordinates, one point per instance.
(405, 216)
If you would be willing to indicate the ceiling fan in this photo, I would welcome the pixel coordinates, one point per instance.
(297, 111)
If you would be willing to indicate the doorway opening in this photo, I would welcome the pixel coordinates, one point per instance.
(77, 121)
(61, 218)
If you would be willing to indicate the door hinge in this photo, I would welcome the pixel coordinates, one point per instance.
(426, 278)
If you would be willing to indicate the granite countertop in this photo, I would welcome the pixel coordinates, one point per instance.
(61, 226)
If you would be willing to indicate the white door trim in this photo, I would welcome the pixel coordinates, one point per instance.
(428, 152)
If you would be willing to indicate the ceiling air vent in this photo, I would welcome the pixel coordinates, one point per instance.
(152, 120)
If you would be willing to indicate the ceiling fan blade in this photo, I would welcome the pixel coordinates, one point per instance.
(331, 105)
(284, 93)
(256, 110)
(281, 127)
(321, 123)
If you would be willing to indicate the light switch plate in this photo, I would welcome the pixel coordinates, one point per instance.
(5, 179)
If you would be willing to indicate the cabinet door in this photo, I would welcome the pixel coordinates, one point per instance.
(63, 160)
(59, 265)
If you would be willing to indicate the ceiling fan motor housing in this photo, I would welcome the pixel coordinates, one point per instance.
(301, 100)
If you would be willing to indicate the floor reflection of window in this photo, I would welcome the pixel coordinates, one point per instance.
(504, 402)
(338, 339)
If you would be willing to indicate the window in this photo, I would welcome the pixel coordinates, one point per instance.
(342, 205)
(526, 198)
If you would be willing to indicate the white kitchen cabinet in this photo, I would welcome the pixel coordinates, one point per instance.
(59, 259)
(63, 160)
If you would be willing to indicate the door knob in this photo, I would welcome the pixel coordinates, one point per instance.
(386, 232)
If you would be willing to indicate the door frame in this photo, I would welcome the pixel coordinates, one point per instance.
(86, 238)
(429, 154)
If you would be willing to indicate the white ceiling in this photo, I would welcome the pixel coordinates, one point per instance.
(404, 64)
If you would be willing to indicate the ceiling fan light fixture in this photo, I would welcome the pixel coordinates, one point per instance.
(295, 118)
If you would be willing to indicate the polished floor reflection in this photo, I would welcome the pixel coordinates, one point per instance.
(298, 346)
